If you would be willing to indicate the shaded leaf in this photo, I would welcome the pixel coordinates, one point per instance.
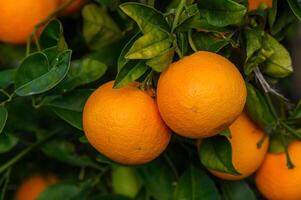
(195, 184)
(130, 73)
(66, 191)
(236, 190)
(297, 111)
(99, 29)
(295, 5)
(36, 75)
(7, 77)
(147, 18)
(7, 142)
(253, 41)
(3, 117)
(162, 61)
(208, 42)
(216, 154)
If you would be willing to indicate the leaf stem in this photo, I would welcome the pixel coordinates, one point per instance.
(191, 42)
(178, 13)
(7, 177)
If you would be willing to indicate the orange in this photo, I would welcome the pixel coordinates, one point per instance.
(200, 95)
(73, 7)
(18, 18)
(275, 181)
(31, 188)
(246, 156)
(254, 4)
(125, 124)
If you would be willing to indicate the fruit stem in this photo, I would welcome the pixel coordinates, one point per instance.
(178, 13)
(289, 162)
(260, 142)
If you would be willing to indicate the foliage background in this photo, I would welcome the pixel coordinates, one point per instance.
(43, 92)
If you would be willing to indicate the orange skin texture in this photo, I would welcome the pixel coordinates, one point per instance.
(73, 7)
(254, 4)
(200, 95)
(31, 188)
(246, 156)
(275, 181)
(18, 18)
(125, 124)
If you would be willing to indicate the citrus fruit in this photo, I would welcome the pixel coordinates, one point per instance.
(254, 4)
(125, 181)
(74, 7)
(125, 124)
(18, 18)
(275, 180)
(200, 95)
(246, 156)
(31, 188)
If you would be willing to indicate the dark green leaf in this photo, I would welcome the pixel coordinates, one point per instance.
(279, 64)
(99, 29)
(53, 35)
(64, 151)
(195, 184)
(158, 180)
(297, 111)
(109, 197)
(258, 108)
(162, 61)
(273, 13)
(60, 191)
(36, 75)
(296, 7)
(69, 106)
(149, 45)
(122, 61)
(236, 190)
(216, 154)
(7, 142)
(208, 42)
(7, 77)
(147, 18)
(188, 13)
(222, 12)
(82, 72)
(130, 73)
(3, 117)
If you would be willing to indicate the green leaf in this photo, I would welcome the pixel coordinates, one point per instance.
(188, 13)
(130, 73)
(53, 35)
(236, 190)
(158, 180)
(195, 184)
(7, 77)
(64, 191)
(258, 108)
(125, 181)
(3, 117)
(297, 111)
(295, 5)
(99, 29)
(7, 142)
(208, 42)
(254, 41)
(162, 61)
(35, 74)
(273, 13)
(64, 151)
(122, 61)
(279, 64)
(147, 18)
(69, 106)
(216, 154)
(222, 12)
(149, 45)
(82, 72)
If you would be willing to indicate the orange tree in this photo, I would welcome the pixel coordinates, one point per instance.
(152, 100)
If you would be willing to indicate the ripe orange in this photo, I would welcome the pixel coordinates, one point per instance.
(73, 7)
(31, 188)
(254, 4)
(18, 18)
(275, 181)
(246, 156)
(200, 95)
(125, 124)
